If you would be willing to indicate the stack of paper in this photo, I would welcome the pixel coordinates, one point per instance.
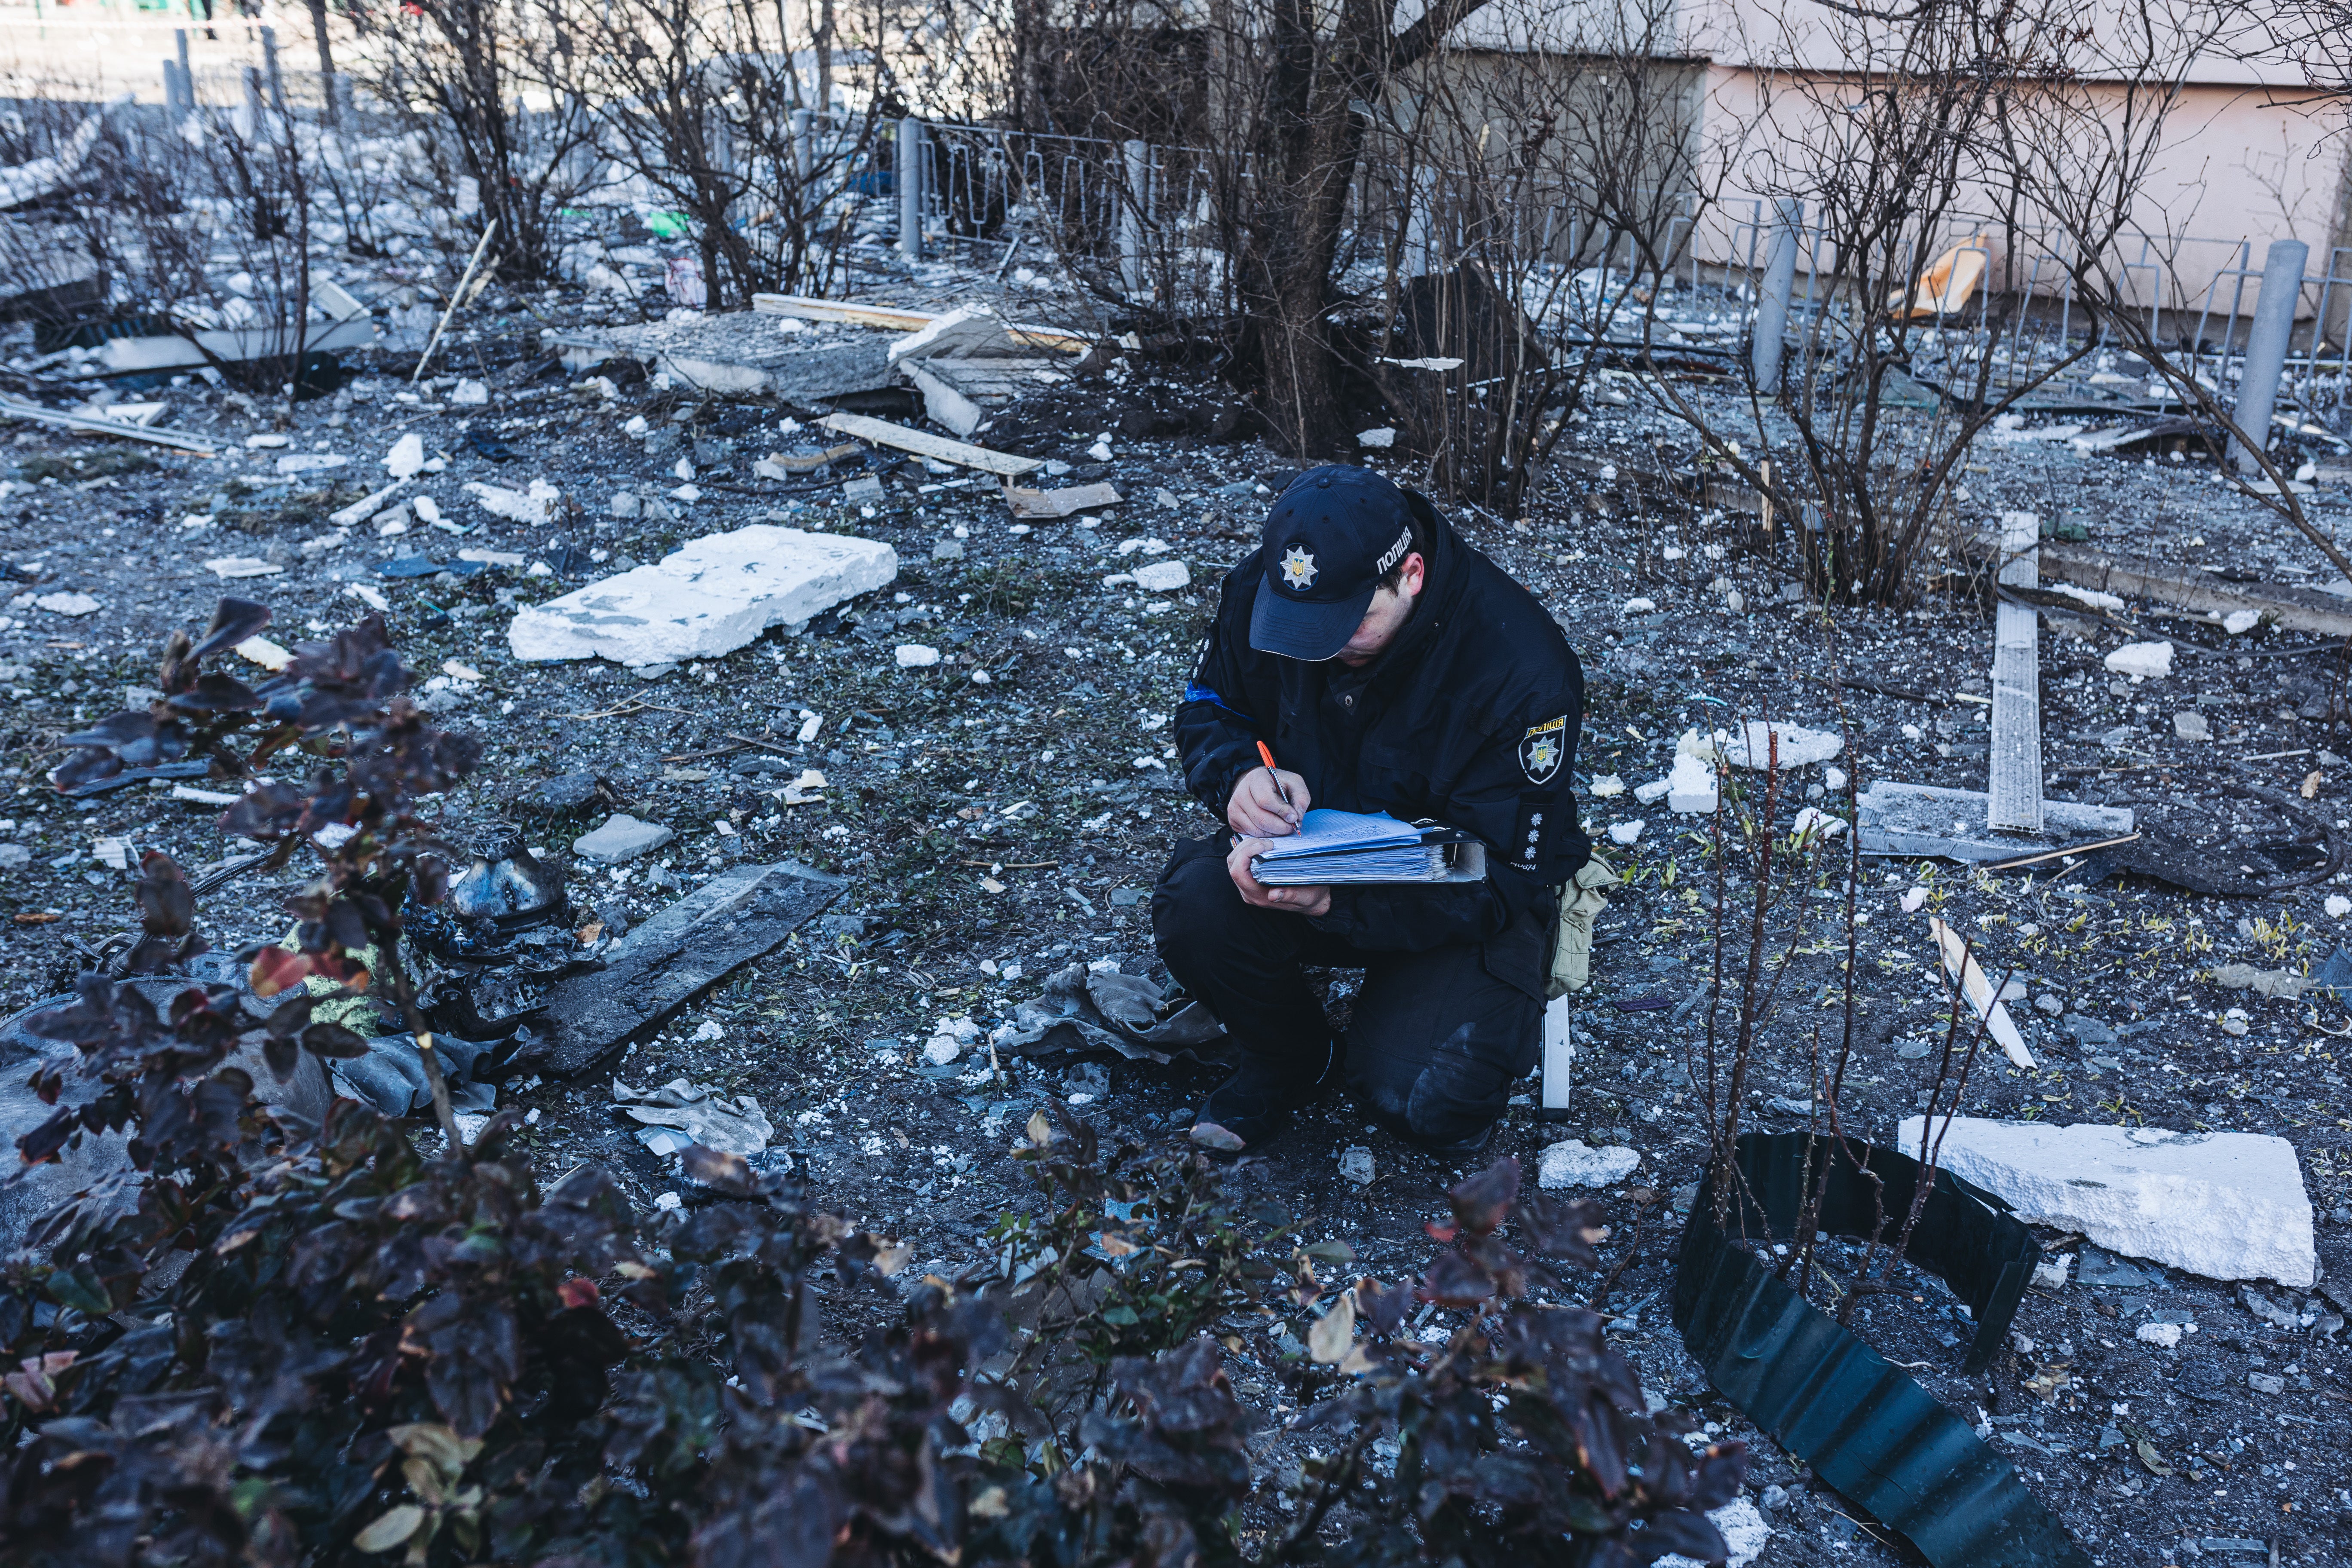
(1334, 848)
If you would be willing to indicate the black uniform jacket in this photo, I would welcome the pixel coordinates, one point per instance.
(1470, 717)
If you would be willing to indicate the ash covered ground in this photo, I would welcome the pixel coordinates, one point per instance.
(992, 832)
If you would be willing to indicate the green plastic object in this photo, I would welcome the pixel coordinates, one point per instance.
(1818, 1391)
(668, 226)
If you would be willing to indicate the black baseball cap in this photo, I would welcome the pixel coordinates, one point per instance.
(1329, 539)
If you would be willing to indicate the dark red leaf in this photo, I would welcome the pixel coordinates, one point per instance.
(1480, 1202)
(234, 620)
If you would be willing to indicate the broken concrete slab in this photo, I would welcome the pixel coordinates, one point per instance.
(1051, 504)
(739, 352)
(337, 321)
(2226, 1205)
(621, 838)
(1906, 819)
(1569, 1164)
(962, 393)
(672, 958)
(708, 598)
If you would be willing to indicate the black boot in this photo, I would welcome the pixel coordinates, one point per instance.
(1256, 1103)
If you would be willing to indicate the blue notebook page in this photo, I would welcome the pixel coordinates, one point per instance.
(1321, 832)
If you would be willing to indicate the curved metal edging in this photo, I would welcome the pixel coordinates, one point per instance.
(1869, 1431)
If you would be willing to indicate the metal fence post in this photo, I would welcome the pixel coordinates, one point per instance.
(1137, 190)
(2267, 346)
(270, 62)
(255, 107)
(910, 188)
(1421, 223)
(1778, 283)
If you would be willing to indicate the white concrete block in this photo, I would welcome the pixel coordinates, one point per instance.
(2226, 1205)
(2148, 660)
(1690, 786)
(1569, 1164)
(707, 598)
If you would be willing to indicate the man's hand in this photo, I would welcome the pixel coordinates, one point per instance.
(1307, 901)
(1257, 809)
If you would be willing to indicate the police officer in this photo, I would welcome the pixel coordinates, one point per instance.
(1389, 667)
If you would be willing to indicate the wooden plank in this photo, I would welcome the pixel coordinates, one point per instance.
(2291, 608)
(1962, 966)
(891, 319)
(2014, 784)
(882, 433)
(155, 435)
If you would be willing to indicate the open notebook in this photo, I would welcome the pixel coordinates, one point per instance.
(1340, 847)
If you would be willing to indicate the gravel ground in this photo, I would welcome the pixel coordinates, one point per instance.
(994, 830)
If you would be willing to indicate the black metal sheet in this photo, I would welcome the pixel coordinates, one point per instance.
(1818, 1390)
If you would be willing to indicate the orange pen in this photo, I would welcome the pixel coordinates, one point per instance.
(1268, 758)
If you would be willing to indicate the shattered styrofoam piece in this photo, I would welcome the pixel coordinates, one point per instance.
(708, 598)
(2091, 596)
(1381, 436)
(916, 655)
(1690, 785)
(236, 566)
(1625, 833)
(2225, 1205)
(1569, 1164)
(533, 508)
(1796, 747)
(407, 459)
(620, 838)
(1649, 794)
(2238, 623)
(295, 463)
(2141, 660)
(2165, 1336)
(67, 604)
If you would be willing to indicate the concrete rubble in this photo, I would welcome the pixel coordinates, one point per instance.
(708, 598)
(2226, 1205)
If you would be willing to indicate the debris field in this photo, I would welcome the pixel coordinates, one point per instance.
(974, 748)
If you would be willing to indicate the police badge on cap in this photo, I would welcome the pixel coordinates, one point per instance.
(1543, 749)
(1327, 541)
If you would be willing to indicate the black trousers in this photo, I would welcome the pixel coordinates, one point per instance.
(1436, 1041)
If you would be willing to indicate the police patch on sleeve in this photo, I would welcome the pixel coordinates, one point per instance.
(1543, 749)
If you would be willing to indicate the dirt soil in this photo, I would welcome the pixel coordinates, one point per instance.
(992, 831)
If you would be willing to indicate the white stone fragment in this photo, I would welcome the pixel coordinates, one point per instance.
(2146, 660)
(708, 598)
(1744, 1533)
(1356, 1165)
(1569, 1164)
(2226, 1205)
(1798, 747)
(1690, 786)
(1162, 577)
(2050, 1272)
(1652, 792)
(622, 838)
(532, 508)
